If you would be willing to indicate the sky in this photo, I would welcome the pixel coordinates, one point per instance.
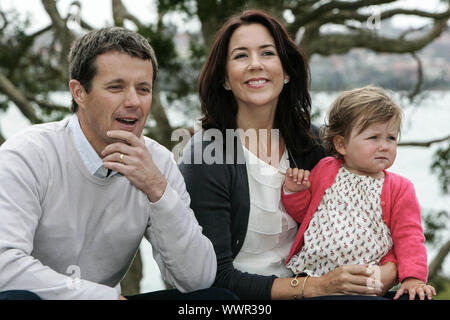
(98, 12)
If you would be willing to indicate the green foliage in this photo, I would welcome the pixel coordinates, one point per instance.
(441, 165)
(33, 71)
(198, 53)
(442, 286)
(434, 224)
(162, 43)
(188, 7)
(3, 103)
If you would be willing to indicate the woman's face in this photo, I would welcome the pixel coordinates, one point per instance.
(254, 72)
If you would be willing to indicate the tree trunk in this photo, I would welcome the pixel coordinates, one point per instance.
(2, 139)
(436, 264)
(162, 132)
(130, 284)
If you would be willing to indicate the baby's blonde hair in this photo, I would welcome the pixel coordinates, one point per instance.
(360, 108)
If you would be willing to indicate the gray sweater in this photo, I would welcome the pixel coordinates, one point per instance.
(66, 234)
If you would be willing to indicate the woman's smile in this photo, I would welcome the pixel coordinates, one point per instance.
(257, 83)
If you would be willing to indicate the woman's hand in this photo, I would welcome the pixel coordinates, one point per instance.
(350, 280)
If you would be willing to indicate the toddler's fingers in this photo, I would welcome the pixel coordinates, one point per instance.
(289, 172)
(421, 293)
(306, 176)
(412, 294)
(430, 292)
(295, 173)
(300, 176)
(399, 293)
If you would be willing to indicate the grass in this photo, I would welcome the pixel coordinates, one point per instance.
(442, 289)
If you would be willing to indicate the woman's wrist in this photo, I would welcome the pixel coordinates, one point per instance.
(296, 288)
(295, 282)
(388, 276)
(312, 287)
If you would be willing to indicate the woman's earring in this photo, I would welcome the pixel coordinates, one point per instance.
(226, 87)
(286, 81)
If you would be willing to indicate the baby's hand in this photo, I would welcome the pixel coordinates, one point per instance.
(296, 180)
(415, 286)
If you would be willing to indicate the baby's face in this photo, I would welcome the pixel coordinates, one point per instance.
(373, 150)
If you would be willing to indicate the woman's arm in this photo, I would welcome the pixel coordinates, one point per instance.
(388, 276)
(212, 189)
(346, 280)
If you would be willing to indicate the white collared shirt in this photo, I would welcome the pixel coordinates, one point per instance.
(89, 156)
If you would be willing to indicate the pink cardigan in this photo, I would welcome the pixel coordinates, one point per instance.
(401, 213)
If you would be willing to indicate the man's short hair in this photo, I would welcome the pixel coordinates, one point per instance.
(84, 51)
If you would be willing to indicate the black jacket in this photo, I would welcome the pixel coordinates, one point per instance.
(220, 200)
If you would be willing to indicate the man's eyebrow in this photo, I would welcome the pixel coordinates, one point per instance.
(145, 83)
(119, 80)
(260, 47)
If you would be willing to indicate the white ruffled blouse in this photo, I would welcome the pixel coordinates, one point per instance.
(347, 228)
(271, 231)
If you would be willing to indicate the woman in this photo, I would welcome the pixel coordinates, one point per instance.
(256, 80)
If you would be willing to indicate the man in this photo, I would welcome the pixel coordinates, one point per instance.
(77, 196)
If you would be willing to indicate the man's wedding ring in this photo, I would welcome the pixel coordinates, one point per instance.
(121, 158)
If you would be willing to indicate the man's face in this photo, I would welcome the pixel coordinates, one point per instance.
(120, 98)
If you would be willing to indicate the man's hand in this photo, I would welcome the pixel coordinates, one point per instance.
(131, 158)
(296, 180)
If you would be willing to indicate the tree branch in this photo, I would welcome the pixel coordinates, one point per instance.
(62, 33)
(4, 20)
(57, 21)
(424, 143)
(85, 25)
(436, 264)
(336, 43)
(2, 139)
(120, 14)
(46, 105)
(8, 88)
(419, 83)
(344, 15)
(315, 13)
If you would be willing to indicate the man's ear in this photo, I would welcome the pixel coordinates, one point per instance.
(339, 145)
(78, 92)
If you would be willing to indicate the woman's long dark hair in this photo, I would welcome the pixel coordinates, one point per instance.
(293, 113)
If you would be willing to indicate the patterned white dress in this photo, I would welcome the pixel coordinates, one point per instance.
(346, 229)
